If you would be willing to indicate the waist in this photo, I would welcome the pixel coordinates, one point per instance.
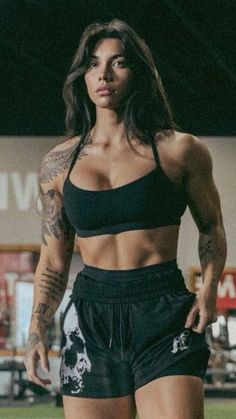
(129, 285)
(130, 248)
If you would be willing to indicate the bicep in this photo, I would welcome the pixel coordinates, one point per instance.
(202, 193)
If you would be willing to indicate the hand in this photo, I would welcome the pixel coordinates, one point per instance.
(203, 310)
(36, 350)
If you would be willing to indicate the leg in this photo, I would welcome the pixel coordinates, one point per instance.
(109, 408)
(171, 397)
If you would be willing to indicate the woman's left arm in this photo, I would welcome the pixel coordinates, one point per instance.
(204, 204)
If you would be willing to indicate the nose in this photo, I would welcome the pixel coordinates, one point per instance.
(105, 73)
(105, 77)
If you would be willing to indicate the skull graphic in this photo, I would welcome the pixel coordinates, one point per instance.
(74, 359)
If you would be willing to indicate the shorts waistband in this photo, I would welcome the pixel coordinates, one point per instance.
(129, 285)
(127, 274)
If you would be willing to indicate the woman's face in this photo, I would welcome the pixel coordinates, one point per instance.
(108, 69)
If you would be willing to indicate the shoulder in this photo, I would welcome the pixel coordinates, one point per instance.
(186, 150)
(193, 153)
(57, 160)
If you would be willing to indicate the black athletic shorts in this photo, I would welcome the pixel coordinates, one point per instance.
(122, 329)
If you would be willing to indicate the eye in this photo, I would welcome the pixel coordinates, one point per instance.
(92, 64)
(120, 63)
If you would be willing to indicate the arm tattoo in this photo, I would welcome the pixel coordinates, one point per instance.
(42, 313)
(206, 251)
(33, 339)
(52, 284)
(57, 161)
(54, 216)
(55, 220)
(42, 308)
(39, 319)
(54, 163)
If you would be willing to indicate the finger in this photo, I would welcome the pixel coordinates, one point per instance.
(43, 382)
(34, 377)
(44, 359)
(31, 367)
(200, 328)
(191, 318)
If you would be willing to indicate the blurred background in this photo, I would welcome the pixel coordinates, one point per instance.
(193, 44)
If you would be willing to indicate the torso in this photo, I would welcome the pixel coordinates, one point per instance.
(103, 168)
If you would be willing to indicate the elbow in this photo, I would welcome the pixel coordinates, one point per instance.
(211, 223)
(207, 226)
(58, 266)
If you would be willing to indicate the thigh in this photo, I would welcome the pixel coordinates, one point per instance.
(171, 397)
(109, 408)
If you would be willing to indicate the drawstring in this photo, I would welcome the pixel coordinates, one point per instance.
(121, 328)
(112, 315)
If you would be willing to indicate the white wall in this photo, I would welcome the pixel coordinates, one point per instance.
(20, 160)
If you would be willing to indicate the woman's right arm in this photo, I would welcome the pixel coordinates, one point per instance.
(52, 271)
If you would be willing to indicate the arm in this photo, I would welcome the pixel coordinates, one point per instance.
(51, 274)
(204, 204)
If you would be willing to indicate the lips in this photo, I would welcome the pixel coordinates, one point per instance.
(104, 89)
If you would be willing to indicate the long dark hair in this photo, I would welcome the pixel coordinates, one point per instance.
(146, 111)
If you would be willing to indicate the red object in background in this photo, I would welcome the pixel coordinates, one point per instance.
(226, 293)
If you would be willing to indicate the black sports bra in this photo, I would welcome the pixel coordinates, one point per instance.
(148, 202)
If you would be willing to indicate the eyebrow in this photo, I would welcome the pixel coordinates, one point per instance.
(112, 56)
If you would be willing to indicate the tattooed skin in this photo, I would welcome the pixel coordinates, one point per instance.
(55, 162)
(33, 339)
(52, 284)
(206, 251)
(40, 319)
(55, 220)
(42, 308)
(42, 313)
(58, 161)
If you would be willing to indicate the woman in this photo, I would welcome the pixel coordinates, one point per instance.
(133, 335)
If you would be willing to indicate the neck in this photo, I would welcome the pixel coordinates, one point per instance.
(108, 128)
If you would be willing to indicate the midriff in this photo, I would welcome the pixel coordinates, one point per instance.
(129, 249)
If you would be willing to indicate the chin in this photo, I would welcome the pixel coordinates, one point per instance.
(107, 105)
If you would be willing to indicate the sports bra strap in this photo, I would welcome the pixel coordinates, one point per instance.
(156, 157)
(73, 161)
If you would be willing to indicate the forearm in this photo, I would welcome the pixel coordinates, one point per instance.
(212, 255)
(49, 288)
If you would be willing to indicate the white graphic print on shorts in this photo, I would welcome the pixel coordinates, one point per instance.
(74, 358)
(180, 343)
